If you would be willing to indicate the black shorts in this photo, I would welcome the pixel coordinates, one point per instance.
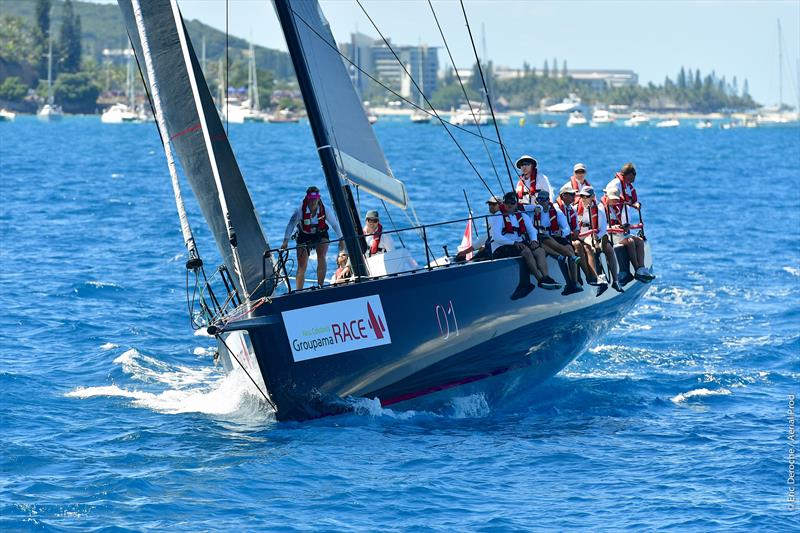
(560, 240)
(508, 250)
(311, 240)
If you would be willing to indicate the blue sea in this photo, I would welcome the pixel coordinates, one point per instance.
(114, 416)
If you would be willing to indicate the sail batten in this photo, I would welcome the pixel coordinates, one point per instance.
(357, 149)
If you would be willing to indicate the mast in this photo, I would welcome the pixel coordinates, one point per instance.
(780, 68)
(50, 71)
(321, 138)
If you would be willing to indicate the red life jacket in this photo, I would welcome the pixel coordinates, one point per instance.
(508, 227)
(577, 186)
(614, 214)
(569, 211)
(628, 194)
(529, 190)
(593, 218)
(306, 226)
(554, 227)
(376, 238)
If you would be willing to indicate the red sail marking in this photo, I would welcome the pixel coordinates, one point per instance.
(187, 130)
(376, 326)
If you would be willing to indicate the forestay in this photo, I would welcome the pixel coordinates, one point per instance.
(199, 140)
(355, 145)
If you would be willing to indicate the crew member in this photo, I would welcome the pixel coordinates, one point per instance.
(311, 224)
(377, 242)
(623, 185)
(619, 232)
(566, 204)
(593, 237)
(507, 229)
(578, 179)
(551, 226)
(344, 272)
(531, 180)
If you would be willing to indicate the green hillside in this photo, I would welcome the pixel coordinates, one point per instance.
(102, 28)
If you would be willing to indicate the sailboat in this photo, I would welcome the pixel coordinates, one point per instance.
(120, 113)
(49, 112)
(250, 109)
(398, 331)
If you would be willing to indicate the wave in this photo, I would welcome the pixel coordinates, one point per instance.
(792, 270)
(108, 346)
(699, 393)
(188, 390)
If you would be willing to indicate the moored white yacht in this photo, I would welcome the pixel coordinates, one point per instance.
(637, 119)
(7, 116)
(576, 118)
(467, 117)
(419, 117)
(49, 112)
(668, 123)
(602, 118)
(703, 125)
(119, 114)
(567, 105)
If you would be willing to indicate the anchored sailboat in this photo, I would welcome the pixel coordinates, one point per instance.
(398, 331)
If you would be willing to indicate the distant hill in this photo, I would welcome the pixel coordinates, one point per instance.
(102, 27)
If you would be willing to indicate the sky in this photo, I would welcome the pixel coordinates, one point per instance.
(653, 38)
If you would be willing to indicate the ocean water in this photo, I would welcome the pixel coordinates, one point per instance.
(114, 416)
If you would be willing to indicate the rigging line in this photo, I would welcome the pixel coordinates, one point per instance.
(485, 89)
(227, 75)
(383, 85)
(466, 97)
(385, 208)
(269, 401)
(389, 46)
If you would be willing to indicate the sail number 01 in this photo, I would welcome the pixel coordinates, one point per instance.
(444, 315)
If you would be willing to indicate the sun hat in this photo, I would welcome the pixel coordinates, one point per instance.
(525, 158)
(372, 214)
(579, 166)
(567, 189)
(494, 199)
(586, 191)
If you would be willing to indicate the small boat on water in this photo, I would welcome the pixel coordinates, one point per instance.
(470, 117)
(602, 118)
(567, 105)
(548, 124)
(704, 125)
(49, 112)
(119, 114)
(637, 119)
(419, 117)
(284, 116)
(668, 123)
(401, 329)
(577, 119)
(7, 116)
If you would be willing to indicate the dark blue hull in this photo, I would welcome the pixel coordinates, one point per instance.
(449, 327)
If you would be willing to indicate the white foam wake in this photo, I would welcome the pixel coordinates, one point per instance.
(188, 390)
(698, 393)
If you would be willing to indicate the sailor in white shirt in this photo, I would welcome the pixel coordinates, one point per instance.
(377, 242)
(508, 230)
(594, 239)
(553, 229)
(619, 233)
(531, 180)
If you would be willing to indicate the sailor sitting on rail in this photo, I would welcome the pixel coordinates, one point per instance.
(619, 234)
(623, 184)
(552, 226)
(344, 272)
(484, 249)
(311, 224)
(531, 180)
(377, 242)
(565, 204)
(593, 237)
(508, 230)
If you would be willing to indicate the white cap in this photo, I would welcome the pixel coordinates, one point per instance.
(578, 166)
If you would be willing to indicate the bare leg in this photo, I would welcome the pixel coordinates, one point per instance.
(322, 262)
(541, 260)
(588, 264)
(639, 250)
(630, 247)
(611, 259)
(528, 257)
(302, 264)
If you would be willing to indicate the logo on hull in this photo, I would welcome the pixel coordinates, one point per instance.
(336, 327)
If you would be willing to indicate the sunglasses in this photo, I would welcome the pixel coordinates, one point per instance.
(580, 172)
(372, 220)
